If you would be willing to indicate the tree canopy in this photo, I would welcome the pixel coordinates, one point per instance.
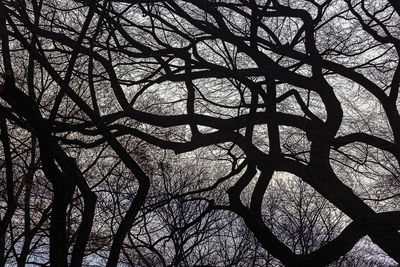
(199, 132)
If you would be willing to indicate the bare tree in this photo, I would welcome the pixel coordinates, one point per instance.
(248, 89)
